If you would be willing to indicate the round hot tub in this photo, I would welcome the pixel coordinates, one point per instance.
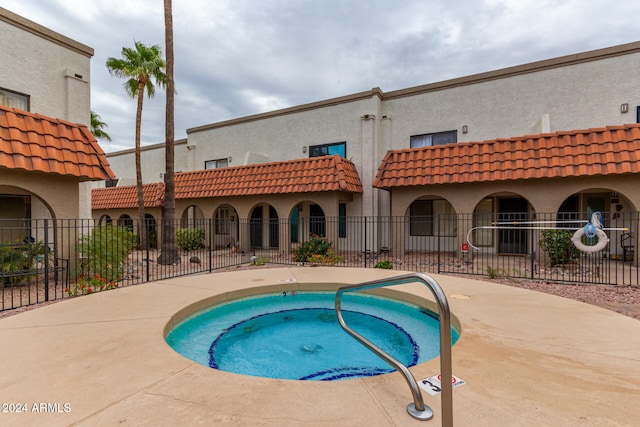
(296, 335)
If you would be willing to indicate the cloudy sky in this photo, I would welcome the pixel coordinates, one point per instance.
(240, 57)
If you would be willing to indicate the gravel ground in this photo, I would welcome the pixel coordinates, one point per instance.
(621, 299)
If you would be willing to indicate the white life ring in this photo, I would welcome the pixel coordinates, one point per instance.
(603, 241)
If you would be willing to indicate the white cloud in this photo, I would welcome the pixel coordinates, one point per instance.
(241, 57)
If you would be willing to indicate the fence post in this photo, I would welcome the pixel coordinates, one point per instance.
(437, 233)
(211, 223)
(146, 244)
(533, 254)
(364, 250)
(46, 260)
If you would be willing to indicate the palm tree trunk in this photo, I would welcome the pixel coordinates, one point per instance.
(142, 230)
(169, 249)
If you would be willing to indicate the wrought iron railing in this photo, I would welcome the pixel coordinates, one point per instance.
(46, 259)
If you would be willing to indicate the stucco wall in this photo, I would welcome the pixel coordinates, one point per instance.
(574, 92)
(57, 192)
(53, 69)
(577, 96)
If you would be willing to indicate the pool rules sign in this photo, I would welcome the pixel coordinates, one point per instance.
(433, 385)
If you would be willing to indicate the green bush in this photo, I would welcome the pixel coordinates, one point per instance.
(387, 265)
(316, 250)
(105, 250)
(19, 258)
(558, 245)
(190, 238)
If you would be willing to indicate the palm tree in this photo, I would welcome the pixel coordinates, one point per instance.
(97, 127)
(169, 249)
(143, 67)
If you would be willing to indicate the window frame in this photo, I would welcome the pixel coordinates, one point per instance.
(215, 162)
(9, 93)
(433, 135)
(318, 147)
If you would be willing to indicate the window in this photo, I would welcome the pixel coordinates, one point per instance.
(111, 182)
(13, 99)
(215, 164)
(342, 220)
(339, 148)
(421, 218)
(430, 139)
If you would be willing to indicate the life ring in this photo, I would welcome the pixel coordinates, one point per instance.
(603, 241)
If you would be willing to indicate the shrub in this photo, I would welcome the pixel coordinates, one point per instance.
(316, 250)
(105, 250)
(558, 246)
(496, 272)
(20, 259)
(387, 265)
(189, 239)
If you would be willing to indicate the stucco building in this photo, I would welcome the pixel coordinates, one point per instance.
(47, 73)
(552, 103)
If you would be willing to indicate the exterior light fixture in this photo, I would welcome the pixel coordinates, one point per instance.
(624, 108)
(465, 129)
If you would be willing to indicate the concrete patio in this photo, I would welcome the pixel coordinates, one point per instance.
(527, 358)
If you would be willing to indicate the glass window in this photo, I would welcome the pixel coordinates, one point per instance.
(431, 139)
(339, 148)
(216, 164)
(12, 99)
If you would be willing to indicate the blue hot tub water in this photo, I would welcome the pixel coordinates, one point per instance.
(296, 335)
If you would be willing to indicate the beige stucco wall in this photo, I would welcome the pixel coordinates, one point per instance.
(574, 92)
(577, 96)
(57, 192)
(53, 69)
(55, 72)
(153, 163)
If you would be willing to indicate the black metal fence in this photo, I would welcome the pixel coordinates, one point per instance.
(44, 259)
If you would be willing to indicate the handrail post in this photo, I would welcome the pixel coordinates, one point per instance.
(417, 408)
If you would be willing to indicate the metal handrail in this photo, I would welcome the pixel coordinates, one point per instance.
(417, 408)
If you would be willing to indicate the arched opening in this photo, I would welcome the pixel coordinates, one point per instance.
(264, 227)
(305, 219)
(152, 231)
(104, 220)
(191, 217)
(509, 210)
(125, 221)
(432, 222)
(618, 218)
(227, 228)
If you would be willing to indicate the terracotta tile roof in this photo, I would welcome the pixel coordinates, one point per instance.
(34, 142)
(591, 152)
(328, 173)
(127, 196)
(316, 174)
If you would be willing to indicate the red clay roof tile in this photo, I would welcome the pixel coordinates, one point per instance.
(127, 196)
(598, 151)
(317, 174)
(34, 142)
(294, 176)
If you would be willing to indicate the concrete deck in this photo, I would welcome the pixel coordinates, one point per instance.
(529, 359)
